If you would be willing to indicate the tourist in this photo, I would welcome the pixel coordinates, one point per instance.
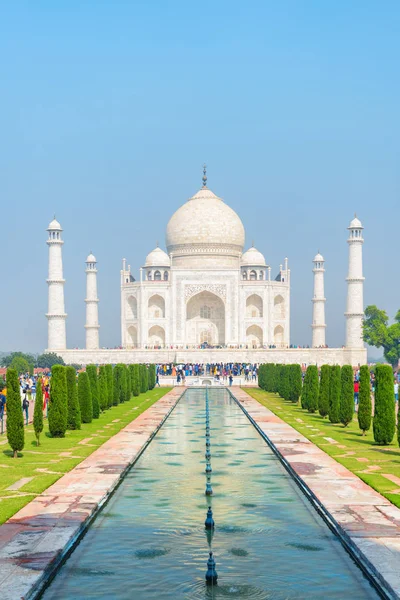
(25, 408)
(356, 392)
(2, 405)
(230, 379)
(158, 380)
(396, 391)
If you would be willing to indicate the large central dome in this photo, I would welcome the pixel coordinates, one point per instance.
(205, 226)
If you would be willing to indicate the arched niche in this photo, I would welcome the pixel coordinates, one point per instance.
(156, 307)
(205, 319)
(132, 336)
(278, 335)
(254, 306)
(254, 336)
(156, 336)
(132, 308)
(279, 307)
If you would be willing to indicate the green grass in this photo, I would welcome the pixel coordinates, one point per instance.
(47, 456)
(385, 458)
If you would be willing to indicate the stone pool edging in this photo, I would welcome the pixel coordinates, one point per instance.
(38, 538)
(367, 523)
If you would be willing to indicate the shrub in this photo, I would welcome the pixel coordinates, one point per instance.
(38, 412)
(261, 376)
(74, 411)
(284, 388)
(152, 376)
(136, 380)
(295, 382)
(91, 370)
(323, 398)
(85, 397)
(346, 408)
(124, 384)
(110, 385)
(118, 369)
(128, 382)
(144, 381)
(58, 406)
(103, 390)
(334, 394)
(364, 414)
(384, 418)
(304, 391)
(313, 389)
(15, 419)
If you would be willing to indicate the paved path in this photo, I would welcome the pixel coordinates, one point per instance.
(369, 520)
(31, 542)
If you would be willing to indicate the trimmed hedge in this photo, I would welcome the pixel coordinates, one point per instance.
(384, 423)
(152, 376)
(38, 411)
(295, 382)
(136, 380)
(346, 409)
(110, 385)
(58, 405)
(119, 392)
(334, 394)
(15, 418)
(103, 390)
(313, 389)
(144, 379)
(91, 370)
(85, 397)
(74, 410)
(364, 413)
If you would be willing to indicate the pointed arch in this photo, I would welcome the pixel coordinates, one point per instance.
(156, 307)
(254, 306)
(132, 336)
(132, 308)
(278, 335)
(254, 336)
(279, 307)
(156, 336)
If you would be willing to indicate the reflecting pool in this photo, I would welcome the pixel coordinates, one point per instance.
(149, 542)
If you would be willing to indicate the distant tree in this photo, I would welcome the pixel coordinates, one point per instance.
(152, 376)
(48, 360)
(31, 369)
(384, 423)
(323, 399)
(38, 411)
(313, 389)
(346, 409)
(20, 364)
(91, 370)
(15, 419)
(103, 392)
(110, 385)
(364, 413)
(74, 410)
(58, 406)
(334, 394)
(6, 361)
(377, 332)
(136, 380)
(85, 397)
(295, 382)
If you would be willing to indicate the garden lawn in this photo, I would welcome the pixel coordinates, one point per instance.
(44, 464)
(378, 466)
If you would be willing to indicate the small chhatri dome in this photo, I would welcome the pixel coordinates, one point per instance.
(157, 258)
(355, 223)
(253, 258)
(318, 258)
(91, 258)
(54, 225)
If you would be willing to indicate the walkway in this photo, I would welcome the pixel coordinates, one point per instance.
(33, 541)
(368, 520)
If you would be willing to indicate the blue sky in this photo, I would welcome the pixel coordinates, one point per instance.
(110, 108)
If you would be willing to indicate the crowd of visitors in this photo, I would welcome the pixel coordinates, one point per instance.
(221, 371)
(27, 386)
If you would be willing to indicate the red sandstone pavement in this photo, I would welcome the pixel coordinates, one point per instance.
(370, 521)
(33, 539)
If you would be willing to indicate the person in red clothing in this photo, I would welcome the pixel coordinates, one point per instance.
(356, 392)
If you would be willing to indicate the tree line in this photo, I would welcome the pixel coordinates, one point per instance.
(331, 393)
(75, 400)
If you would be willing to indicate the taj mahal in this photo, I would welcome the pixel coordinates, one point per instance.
(206, 299)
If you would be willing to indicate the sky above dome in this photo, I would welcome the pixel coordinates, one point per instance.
(110, 109)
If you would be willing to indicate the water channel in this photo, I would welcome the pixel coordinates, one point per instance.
(149, 541)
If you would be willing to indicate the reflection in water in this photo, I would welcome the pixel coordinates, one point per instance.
(150, 543)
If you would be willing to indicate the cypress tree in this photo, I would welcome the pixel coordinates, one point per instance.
(117, 384)
(74, 410)
(58, 405)
(136, 380)
(91, 370)
(334, 394)
(128, 382)
(152, 376)
(313, 389)
(285, 382)
(261, 376)
(15, 418)
(364, 414)
(38, 412)
(304, 391)
(295, 382)
(85, 397)
(384, 418)
(110, 385)
(143, 379)
(103, 390)
(323, 398)
(124, 385)
(346, 395)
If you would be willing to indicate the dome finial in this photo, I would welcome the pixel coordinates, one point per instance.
(204, 175)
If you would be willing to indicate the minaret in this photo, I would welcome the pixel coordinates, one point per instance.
(92, 309)
(318, 320)
(56, 313)
(355, 287)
